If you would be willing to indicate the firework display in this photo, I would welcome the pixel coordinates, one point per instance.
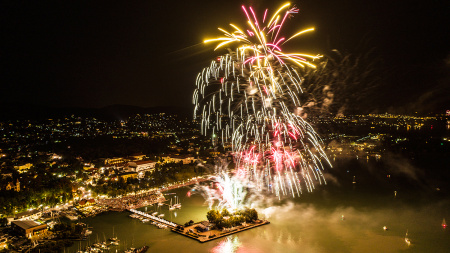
(226, 192)
(252, 98)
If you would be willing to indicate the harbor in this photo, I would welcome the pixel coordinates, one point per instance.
(142, 199)
(304, 222)
(154, 219)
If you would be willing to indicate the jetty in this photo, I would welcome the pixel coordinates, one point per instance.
(210, 235)
(155, 218)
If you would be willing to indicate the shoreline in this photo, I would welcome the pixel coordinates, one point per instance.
(140, 200)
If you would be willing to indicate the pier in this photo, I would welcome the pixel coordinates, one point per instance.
(155, 219)
(215, 234)
(198, 236)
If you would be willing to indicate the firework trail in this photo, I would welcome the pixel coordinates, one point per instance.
(252, 97)
(227, 192)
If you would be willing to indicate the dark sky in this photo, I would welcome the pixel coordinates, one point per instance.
(148, 53)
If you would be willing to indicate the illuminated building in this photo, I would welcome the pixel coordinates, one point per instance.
(29, 228)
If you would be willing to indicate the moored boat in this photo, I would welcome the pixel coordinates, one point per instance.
(171, 207)
(142, 250)
(114, 238)
(408, 242)
(177, 203)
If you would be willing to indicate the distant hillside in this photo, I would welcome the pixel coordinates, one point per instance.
(112, 112)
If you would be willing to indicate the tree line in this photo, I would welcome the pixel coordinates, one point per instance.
(225, 219)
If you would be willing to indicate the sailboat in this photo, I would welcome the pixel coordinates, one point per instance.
(444, 224)
(113, 238)
(97, 244)
(87, 232)
(177, 204)
(408, 242)
(104, 245)
(171, 207)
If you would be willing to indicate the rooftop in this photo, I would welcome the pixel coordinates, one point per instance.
(26, 224)
(26, 213)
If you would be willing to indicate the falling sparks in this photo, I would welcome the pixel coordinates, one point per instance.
(250, 97)
(227, 192)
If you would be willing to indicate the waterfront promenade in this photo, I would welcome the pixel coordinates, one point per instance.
(190, 182)
(131, 201)
(141, 199)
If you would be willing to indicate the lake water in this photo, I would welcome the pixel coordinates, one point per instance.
(311, 223)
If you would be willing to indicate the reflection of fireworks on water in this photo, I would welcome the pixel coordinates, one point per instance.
(253, 98)
(230, 245)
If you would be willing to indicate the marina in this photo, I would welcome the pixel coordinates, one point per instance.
(108, 246)
(155, 219)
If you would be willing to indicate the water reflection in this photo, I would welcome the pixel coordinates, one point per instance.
(229, 245)
(312, 223)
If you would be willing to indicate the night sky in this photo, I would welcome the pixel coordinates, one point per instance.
(148, 53)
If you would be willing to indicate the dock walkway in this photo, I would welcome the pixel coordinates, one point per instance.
(154, 218)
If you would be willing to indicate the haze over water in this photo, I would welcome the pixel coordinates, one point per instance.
(310, 223)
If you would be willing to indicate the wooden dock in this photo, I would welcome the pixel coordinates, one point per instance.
(169, 224)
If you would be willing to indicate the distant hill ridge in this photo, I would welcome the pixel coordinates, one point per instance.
(111, 112)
